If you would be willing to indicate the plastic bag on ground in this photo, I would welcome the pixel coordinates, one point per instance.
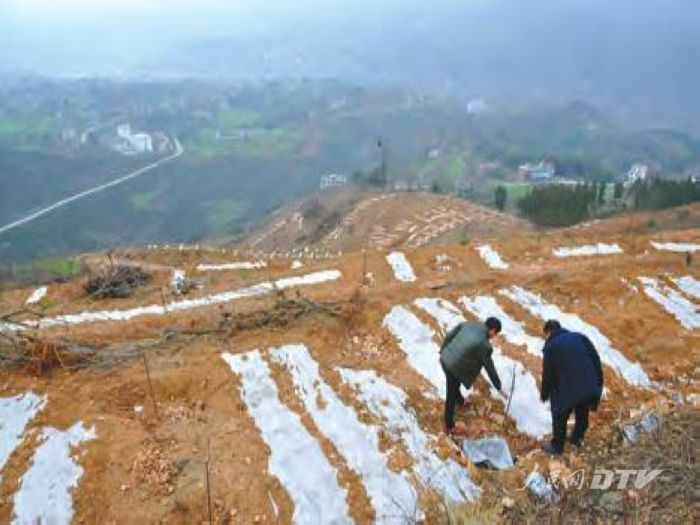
(540, 487)
(648, 424)
(491, 452)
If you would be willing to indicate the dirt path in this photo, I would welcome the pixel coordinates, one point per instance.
(179, 150)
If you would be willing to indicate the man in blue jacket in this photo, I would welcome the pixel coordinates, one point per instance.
(572, 380)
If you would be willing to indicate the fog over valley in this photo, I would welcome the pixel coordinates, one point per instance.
(630, 57)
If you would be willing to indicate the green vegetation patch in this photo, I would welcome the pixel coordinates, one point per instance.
(205, 145)
(517, 190)
(455, 169)
(268, 142)
(664, 194)
(234, 119)
(251, 143)
(222, 215)
(28, 132)
(556, 205)
(63, 267)
(142, 201)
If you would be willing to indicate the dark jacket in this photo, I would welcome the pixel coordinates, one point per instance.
(466, 350)
(571, 371)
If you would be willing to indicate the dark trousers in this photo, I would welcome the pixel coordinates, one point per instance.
(454, 397)
(559, 425)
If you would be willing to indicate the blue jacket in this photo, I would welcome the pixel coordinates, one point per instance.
(571, 371)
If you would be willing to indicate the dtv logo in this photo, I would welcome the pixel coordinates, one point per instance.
(603, 478)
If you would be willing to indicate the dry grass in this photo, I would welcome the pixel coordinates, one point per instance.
(477, 513)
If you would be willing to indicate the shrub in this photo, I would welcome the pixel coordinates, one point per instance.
(116, 281)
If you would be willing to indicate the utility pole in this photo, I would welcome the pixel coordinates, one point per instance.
(382, 158)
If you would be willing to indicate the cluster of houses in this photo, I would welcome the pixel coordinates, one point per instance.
(409, 185)
(543, 172)
(638, 172)
(124, 140)
(128, 142)
(333, 180)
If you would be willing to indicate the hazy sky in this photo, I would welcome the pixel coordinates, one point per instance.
(640, 54)
(38, 33)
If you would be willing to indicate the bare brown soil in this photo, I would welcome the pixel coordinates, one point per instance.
(149, 466)
(348, 220)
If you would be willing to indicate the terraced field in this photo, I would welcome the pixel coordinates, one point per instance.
(349, 222)
(299, 388)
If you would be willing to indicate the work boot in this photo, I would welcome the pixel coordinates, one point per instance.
(578, 443)
(549, 449)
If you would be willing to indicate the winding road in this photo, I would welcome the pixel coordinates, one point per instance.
(179, 150)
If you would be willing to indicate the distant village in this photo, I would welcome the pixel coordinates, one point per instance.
(540, 173)
(544, 172)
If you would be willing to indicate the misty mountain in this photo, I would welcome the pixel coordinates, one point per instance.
(507, 55)
(631, 58)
